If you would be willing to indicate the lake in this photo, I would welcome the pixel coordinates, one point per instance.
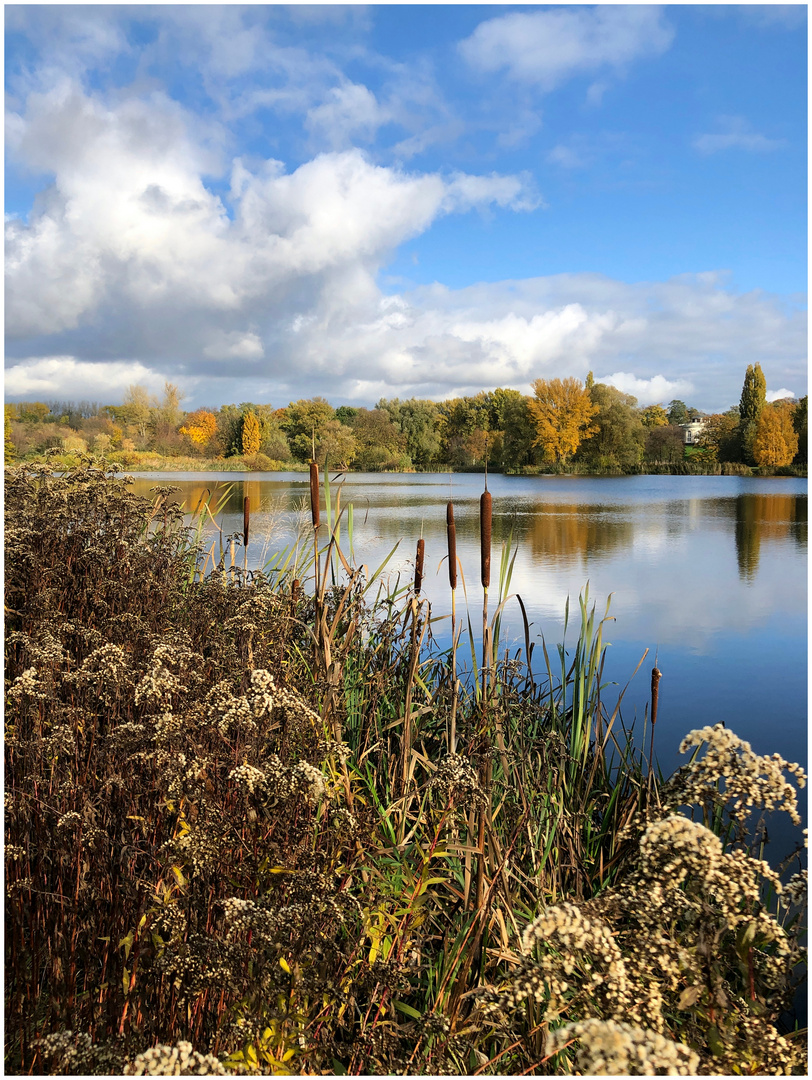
(707, 572)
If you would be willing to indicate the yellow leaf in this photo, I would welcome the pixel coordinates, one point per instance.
(284, 964)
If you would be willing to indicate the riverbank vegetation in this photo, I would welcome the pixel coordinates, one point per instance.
(565, 426)
(266, 823)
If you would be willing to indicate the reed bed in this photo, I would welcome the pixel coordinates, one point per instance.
(264, 823)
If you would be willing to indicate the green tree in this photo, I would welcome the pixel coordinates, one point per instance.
(753, 400)
(379, 444)
(518, 430)
(304, 420)
(251, 434)
(335, 445)
(665, 444)
(799, 422)
(677, 412)
(33, 412)
(418, 419)
(619, 436)
(562, 412)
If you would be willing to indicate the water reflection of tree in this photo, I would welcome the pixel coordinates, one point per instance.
(765, 518)
(565, 532)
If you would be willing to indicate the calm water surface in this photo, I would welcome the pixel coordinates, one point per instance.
(708, 572)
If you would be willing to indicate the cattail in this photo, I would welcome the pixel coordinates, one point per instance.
(418, 564)
(485, 516)
(246, 519)
(655, 693)
(314, 494)
(294, 590)
(451, 529)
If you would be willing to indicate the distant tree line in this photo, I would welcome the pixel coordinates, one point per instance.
(591, 426)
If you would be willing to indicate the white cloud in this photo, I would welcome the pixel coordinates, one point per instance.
(350, 112)
(68, 377)
(736, 134)
(657, 389)
(779, 395)
(548, 47)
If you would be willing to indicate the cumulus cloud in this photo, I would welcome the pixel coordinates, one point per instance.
(66, 376)
(548, 47)
(736, 134)
(779, 395)
(651, 391)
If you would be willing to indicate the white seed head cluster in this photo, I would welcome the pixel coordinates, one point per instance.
(262, 693)
(69, 820)
(750, 779)
(612, 1048)
(249, 778)
(27, 685)
(13, 852)
(275, 782)
(180, 1060)
(795, 891)
(329, 747)
(456, 780)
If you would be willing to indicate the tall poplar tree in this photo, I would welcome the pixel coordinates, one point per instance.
(251, 434)
(753, 400)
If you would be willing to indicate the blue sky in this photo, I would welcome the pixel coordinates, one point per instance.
(265, 203)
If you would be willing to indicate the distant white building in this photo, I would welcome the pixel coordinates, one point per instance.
(691, 431)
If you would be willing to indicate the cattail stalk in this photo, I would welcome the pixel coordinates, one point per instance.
(485, 528)
(316, 519)
(246, 519)
(656, 675)
(418, 565)
(451, 533)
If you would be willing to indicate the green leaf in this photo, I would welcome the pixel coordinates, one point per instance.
(407, 1010)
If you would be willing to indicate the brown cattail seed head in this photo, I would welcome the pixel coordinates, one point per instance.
(485, 518)
(655, 693)
(246, 519)
(294, 590)
(451, 529)
(314, 494)
(418, 564)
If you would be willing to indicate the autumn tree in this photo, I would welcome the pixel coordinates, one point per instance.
(251, 434)
(775, 442)
(562, 412)
(720, 436)
(199, 427)
(654, 416)
(753, 400)
(136, 411)
(9, 452)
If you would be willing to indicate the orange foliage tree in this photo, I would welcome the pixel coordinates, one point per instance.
(562, 411)
(776, 441)
(199, 427)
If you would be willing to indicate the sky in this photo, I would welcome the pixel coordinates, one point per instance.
(265, 203)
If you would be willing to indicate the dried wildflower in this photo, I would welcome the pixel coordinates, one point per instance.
(750, 779)
(180, 1060)
(795, 891)
(456, 780)
(612, 1048)
(27, 685)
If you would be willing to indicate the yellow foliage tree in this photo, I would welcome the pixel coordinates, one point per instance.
(776, 441)
(200, 427)
(251, 434)
(561, 411)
